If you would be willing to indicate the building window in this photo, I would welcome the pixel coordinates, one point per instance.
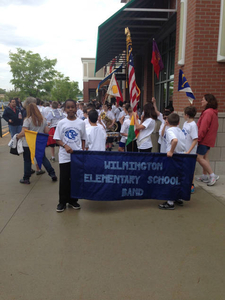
(164, 86)
(221, 42)
(182, 33)
(92, 94)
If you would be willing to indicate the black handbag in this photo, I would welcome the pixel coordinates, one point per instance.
(14, 151)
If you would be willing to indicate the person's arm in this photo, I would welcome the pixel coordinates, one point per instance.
(164, 128)
(204, 125)
(173, 146)
(5, 116)
(194, 143)
(22, 133)
(46, 129)
(138, 126)
(155, 107)
(83, 144)
(113, 122)
(64, 145)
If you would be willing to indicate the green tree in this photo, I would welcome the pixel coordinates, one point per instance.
(2, 91)
(32, 75)
(64, 89)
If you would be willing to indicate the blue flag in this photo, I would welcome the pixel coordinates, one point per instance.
(183, 86)
(106, 176)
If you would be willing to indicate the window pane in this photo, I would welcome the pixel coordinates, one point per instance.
(163, 72)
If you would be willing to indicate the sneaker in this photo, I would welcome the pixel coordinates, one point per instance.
(213, 180)
(60, 207)
(179, 202)
(25, 181)
(52, 159)
(40, 172)
(192, 189)
(202, 179)
(74, 205)
(166, 205)
(54, 177)
(32, 171)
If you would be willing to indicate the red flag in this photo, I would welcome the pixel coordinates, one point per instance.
(156, 59)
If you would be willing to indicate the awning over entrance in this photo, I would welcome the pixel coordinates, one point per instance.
(143, 17)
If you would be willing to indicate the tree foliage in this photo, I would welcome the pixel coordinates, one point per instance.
(37, 77)
(32, 75)
(64, 89)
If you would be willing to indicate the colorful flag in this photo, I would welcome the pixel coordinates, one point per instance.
(132, 133)
(183, 86)
(133, 88)
(106, 80)
(37, 143)
(156, 59)
(114, 89)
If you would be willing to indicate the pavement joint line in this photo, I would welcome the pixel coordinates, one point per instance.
(18, 207)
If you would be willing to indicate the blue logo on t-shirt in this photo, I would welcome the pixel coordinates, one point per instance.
(71, 134)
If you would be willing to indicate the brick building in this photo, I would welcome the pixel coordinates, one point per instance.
(90, 78)
(190, 35)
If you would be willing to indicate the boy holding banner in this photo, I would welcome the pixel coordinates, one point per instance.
(70, 135)
(175, 144)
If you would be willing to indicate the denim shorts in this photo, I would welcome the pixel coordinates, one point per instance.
(121, 144)
(202, 149)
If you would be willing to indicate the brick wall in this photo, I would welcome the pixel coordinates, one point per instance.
(203, 72)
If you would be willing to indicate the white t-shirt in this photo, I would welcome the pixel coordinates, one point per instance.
(122, 113)
(70, 133)
(96, 138)
(46, 111)
(117, 113)
(175, 133)
(80, 114)
(163, 140)
(144, 140)
(190, 131)
(125, 128)
(160, 117)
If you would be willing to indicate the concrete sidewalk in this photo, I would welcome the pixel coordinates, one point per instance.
(119, 250)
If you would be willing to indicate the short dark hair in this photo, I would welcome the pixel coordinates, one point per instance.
(70, 100)
(127, 106)
(93, 116)
(55, 104)
(173, 119)
(212, 101)
(191, 111)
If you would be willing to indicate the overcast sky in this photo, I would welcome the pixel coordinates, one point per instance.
(62, 29)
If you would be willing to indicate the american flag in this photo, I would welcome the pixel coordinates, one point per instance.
(133, 88)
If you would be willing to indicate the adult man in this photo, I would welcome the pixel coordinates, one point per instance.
(13, 116)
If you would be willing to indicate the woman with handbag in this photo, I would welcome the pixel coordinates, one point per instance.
(34, 122)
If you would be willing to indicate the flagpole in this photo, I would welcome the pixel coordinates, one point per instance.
(153, 80)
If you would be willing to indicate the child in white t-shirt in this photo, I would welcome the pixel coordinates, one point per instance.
(190, 130)
(70, 135)
(53, 118)
(162, 132)
(125, 127)
(175, 144)
(96, 135)
(147, 126)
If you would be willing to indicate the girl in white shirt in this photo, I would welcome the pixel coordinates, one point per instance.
(146, 127)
